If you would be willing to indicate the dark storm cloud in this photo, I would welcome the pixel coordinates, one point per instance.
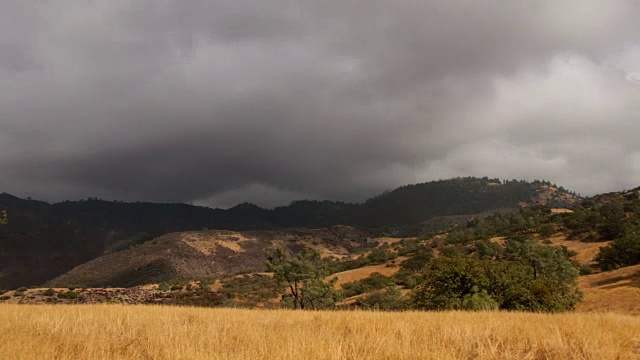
(268, 101)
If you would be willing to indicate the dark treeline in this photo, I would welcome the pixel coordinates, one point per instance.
(43, 240)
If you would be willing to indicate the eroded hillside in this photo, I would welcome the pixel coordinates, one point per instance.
(205, 254)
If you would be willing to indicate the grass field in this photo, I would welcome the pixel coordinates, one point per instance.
(153, 332)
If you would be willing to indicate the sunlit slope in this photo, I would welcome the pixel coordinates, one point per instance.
(617, 290)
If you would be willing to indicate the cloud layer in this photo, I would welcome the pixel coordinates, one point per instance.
(223, 101)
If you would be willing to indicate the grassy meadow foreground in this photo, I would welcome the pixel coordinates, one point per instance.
(159, 332)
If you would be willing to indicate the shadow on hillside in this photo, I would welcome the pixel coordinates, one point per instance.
(632, 280)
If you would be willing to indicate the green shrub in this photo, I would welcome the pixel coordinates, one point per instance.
(251, 290)
(164, 286)
(479, 301)
(586, 269)
(22, 289)
(375, 281)
(68, 295)
(405, 277)
(419, 260)
(5, 297)
(49, 292)
(455, 251)
(389, 299)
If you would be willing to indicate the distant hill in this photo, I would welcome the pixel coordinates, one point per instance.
(205, 254)
(44, 240)
(226, 268)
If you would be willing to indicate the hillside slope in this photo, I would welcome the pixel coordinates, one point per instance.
(204, 254)
(612, 291)
(45, 240)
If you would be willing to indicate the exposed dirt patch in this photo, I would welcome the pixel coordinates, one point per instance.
(207, 243)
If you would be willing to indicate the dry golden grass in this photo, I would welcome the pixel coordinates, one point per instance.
(561, 211)
(617, 290)
(587, 251)
(366, 271)
(146, 332)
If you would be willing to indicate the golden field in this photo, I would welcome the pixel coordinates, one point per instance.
(155, 332)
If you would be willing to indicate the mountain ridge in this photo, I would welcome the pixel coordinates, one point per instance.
(44, 240)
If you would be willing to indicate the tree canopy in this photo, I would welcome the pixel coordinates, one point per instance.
(303, 278)
(529, 277)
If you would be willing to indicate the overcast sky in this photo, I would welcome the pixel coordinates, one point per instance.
(267, 101)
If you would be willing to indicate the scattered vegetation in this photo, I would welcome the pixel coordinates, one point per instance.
(375, 281)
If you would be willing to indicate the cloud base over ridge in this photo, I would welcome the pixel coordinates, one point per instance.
(221, 101)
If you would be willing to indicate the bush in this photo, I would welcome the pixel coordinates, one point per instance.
(164, 286)
(406, 278)
(251, 290)
(586, 269)
(389, 299)
(5, 297)
(419, 260)
(479, 301)
(49, 292)
(375, 281)
(68, 295)
(455, 251)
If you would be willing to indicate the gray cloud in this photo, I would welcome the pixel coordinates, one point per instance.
(223, 101)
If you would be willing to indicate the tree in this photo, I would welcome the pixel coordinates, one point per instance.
(547, 261)
(624, 251)
(612, 215)
(303, 277)
(546, 230)
(529, 281)
(3, 217)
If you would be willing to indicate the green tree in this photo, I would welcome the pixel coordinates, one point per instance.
(624, 251)
(546, 230)
(3, 217)
(303, 277)
(612, 224)
(419, 260)
(474, 284)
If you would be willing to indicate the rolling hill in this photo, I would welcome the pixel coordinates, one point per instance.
(42, 240)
